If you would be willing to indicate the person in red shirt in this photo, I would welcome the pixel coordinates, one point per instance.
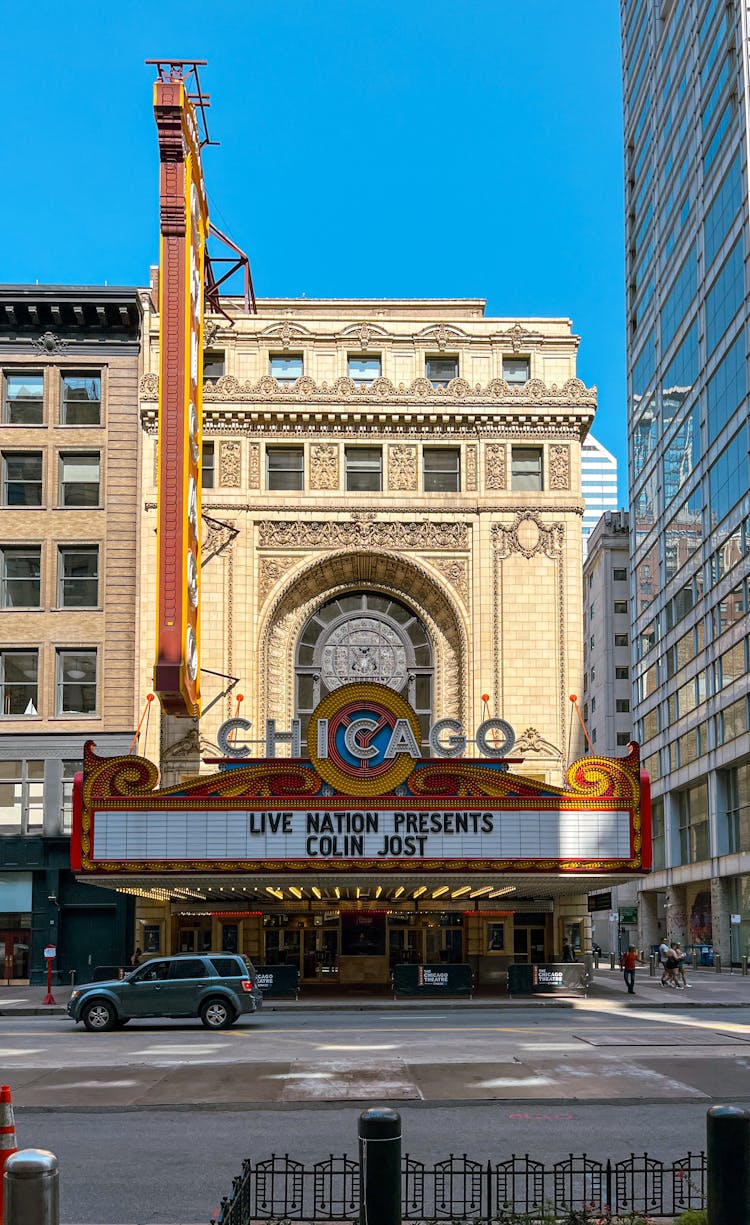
(627, 961)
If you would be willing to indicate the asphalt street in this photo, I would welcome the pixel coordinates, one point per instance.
(151, 1123)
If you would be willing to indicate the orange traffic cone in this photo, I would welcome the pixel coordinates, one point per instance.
(8, 1144)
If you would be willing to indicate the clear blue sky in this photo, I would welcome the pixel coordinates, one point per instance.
(368, 147)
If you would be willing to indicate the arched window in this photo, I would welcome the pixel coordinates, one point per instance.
(364, 636)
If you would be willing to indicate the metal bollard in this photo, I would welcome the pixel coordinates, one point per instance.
(380, 1167)
(32, 1188)
(651, 966)
(717, 963)
(694, 958)
(596, 961)
(611, 961)
(743, 964)
(728, 1152)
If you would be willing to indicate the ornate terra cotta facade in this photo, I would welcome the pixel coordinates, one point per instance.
(392, 494)
(488, 563)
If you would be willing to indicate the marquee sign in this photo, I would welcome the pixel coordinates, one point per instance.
(184, 229)
(363, 800)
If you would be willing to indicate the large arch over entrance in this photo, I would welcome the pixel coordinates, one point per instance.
(413, 584)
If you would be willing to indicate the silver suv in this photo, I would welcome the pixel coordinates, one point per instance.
(217, 987)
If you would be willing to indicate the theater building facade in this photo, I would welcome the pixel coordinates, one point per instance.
(390, 610)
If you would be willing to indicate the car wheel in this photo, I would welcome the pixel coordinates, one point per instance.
(99, 1015)
(216, 1014)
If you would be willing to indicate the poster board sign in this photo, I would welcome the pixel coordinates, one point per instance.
(278, 982)
(562, 978)
(436, 979)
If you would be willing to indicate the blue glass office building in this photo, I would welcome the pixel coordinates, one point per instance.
(686, 102)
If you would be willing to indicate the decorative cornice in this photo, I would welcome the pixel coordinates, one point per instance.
(321, 533)
(334, 508)
(266, 390)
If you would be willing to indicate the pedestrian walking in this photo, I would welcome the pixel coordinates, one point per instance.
(627, 961)
(680, 957)
(669, 963)
(568, 953)
(135, 960)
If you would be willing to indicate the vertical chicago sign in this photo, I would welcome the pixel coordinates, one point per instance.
(183, 232)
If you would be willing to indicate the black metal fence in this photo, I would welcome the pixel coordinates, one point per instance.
(460, 1189)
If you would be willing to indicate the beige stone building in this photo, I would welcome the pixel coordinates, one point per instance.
(70, 453)
(392, 491)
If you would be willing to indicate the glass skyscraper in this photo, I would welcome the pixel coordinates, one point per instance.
(686, 104)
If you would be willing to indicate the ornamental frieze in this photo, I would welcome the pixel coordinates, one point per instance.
(528, 535)
(402, 468)
(456, 574)
(471, 469)
(345, 390)
(559, 467)
(270, 571)
(230, 465)
(296, 534)
(494, 466)
(253, 476)
(324, 466)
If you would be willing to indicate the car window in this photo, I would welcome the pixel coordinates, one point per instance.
(153, 972)
(227, 967)
(191, 967)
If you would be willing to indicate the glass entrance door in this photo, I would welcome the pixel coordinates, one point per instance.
(528, 944)
(15, 947)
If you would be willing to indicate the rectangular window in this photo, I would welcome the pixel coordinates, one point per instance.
(441, 469)
(69, 771)
(286, 368)
(619, 575)
(723, 211)
(679, 298)
(526, 469)
(214, 364)
(657, 828)
(621, 606)
(364, 370)
(621, 640)
(622, 706)
(22, 478)
(727, 387)
(20, 576)
(19, 681)
(726, 296)
(22, 795)
(79, 479)
(622, 674)
(516, 370)
(623, 739)
(440, 370)
(81, 399)
(78, 576)
(728, 478)
(285, 468)
(208, 462)
(23, 399)
(364, 469)
(76, 682)
(733, 721)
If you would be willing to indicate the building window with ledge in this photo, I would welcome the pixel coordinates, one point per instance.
(78, 576)
(622, 674)
(621, 606)
(441, 470)
(21, 795)
(620, 575)
(623, 739)
(364, 370)
(20, 575)
(23, 398)
(526, 469)
(214, 364)
(621, 640)
(19, 682)
(79, 479)
(516, 370)
(285, 469)
(622, 706)
(69, 771)
(440, 370)
(22, 478)
(76, 682)
(286, 368)
(364, 469)
(208, 469)
(81, 398)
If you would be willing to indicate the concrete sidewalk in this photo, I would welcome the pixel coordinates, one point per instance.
(706, 989)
